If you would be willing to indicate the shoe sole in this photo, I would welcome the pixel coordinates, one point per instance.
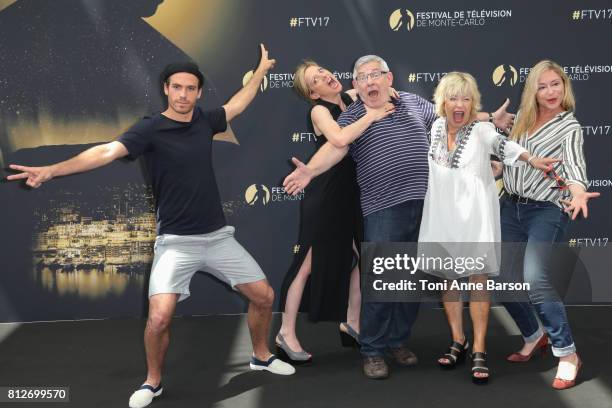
(377, 378)
(262, 368)
(157, 394)
(282, 355)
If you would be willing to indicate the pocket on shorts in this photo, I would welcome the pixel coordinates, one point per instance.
(159, 241)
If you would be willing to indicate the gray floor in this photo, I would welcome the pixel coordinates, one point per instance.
(102, 362)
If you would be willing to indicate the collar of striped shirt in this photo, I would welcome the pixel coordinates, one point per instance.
(561, 137)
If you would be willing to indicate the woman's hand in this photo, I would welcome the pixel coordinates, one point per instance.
(393, 93)
(502, 119)
(542, 163)
(381, 113)
(578, 203)
(298, 179)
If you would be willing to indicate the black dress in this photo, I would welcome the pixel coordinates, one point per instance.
(330, 220)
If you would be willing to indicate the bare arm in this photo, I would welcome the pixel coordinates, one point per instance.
(393, 93)
(92, 158)
(352, 93)
(541, 163)
(341, 137)
(238, 103)
(323, 160)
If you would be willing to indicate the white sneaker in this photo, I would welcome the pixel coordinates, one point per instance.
(273, 365)
(144, 395)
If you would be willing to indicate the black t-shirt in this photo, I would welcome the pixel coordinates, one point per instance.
(178, 158)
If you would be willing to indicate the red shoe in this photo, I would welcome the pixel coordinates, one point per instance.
(561, 384)
(541, 346)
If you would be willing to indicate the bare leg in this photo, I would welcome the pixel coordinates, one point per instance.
(261, 298)
(354, 300)
(479, 312)
(453, 307)
(157, 334)
(292, 304)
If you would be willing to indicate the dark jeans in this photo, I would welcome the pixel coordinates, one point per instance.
(388, 324)
(537, 224)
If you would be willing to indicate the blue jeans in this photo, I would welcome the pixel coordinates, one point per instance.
(388, 324)
(537, 224)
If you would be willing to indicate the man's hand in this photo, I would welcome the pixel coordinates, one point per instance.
(298, 179)
(502, 119)
(238, 103)
(265, 64)
(35, 175)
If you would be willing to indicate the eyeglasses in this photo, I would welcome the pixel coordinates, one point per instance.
(374, 75)
(561, 183)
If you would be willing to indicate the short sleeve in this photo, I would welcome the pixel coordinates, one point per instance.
(217, 119)
(136, 139)
(428, 111)
(346, 118)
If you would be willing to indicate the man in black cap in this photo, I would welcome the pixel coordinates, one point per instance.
(192, 232)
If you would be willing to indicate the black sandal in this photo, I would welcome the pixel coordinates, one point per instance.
(456, 354)
(479, 365)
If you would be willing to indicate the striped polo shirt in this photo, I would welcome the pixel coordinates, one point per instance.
(391, 155)
(561, 138)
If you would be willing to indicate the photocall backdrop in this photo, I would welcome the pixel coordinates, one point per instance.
(76, 73)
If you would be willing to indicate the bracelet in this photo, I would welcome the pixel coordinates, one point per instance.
(490, 117)
(530, 159)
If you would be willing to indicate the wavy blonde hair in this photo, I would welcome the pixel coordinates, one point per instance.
(529, 104)
(299, 80)
(457, 84)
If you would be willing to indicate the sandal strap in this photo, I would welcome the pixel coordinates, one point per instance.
(455, 350)
(479, 360)
(454, 357)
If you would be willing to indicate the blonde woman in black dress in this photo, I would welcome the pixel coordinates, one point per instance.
(324, 278)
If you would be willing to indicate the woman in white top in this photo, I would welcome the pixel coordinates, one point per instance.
(461, 210)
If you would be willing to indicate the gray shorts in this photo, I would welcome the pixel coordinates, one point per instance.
(179, 257)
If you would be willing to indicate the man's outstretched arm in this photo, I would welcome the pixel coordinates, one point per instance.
(92, 158)
(238, 103)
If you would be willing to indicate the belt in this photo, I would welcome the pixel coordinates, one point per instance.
(523, 200)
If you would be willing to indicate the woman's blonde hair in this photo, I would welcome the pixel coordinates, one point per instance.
(457, 84)
(299, 80)
(529, 104)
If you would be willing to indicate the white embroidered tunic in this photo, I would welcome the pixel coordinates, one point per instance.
(461, 210)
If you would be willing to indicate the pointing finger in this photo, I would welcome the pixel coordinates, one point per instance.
(18, 167)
